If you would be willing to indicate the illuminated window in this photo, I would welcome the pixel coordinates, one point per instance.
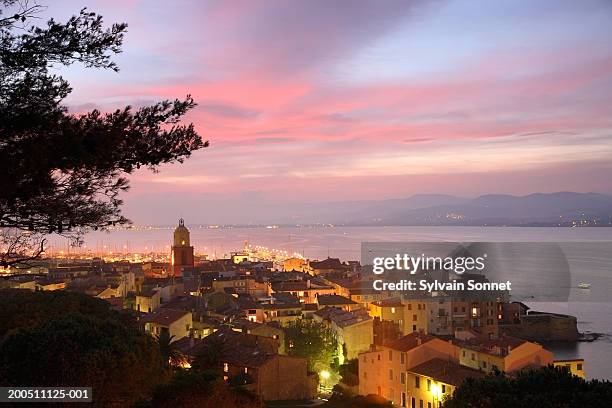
(392, 310)
(246, 370)
(225, 367)
(428, 385)
(474, 312)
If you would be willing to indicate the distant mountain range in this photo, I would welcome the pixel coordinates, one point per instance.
(539, 209)
(555, 209)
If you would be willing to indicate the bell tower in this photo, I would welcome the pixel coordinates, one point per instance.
(182, 251)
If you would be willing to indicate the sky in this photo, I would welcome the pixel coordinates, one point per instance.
(317, 101)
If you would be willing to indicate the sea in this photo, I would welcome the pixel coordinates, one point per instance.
(592, 307)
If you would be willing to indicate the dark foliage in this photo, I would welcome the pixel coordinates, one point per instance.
(339, 399)
(24, 309)
(84, 345)
(202, 390)
(546, 387)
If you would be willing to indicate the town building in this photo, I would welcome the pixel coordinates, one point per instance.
(177, 323)
(354, 330)
(382, 371)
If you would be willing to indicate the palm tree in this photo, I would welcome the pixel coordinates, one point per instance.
(168, 349)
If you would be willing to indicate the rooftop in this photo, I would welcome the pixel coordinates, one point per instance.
(409, 341)
(446, 371)
(164, 316)
(334, 300)
(342, 318)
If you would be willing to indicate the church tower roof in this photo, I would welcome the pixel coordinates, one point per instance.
(181, 234)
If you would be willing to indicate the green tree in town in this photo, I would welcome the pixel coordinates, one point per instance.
(62, 172)
(314, 341)
(546, 387)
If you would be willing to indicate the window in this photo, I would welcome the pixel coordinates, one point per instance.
(402, 358)
(225, 367)
(403, 378)
(429, 405)
(428, 384)
(463, 353)
(417, 381)
(246, 370)
(409, 306)
(473, 357)
(365, 374)
(420, 403)
(484, 364)
(378, 355)
(474, 312)
(413, 403)
(403, 399)
(414, 318)
(392, 310)
(579, 367)
(391, 374)
(390, 355)
(443, 388)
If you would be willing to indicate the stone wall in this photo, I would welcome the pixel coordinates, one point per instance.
(541, 326)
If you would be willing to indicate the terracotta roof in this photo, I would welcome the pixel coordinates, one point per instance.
(392, 302)
(342, 318)
(290, 286)
(234, 348)
(164, 316)
(409, 341)
(334, 300)
(491, 346)
(446, 371)
(329, 263)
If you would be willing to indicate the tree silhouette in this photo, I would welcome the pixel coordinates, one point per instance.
(545, 387)
(63, 172)
(167, 347)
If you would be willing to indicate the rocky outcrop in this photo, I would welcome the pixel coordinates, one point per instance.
(541, 326)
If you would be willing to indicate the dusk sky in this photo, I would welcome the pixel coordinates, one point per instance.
(315, 101)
